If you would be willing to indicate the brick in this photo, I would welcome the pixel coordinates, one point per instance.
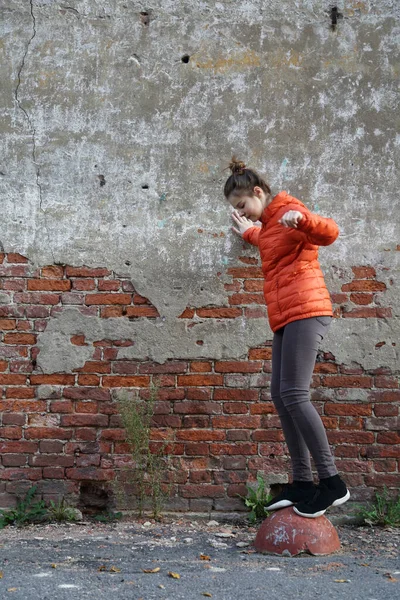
(7, 324)
(389, 424)
(84, 420)
(202, 491)
(236, 286)
(386, 382)
(188, 313)
(167, 367)
(55, 379)
(16, 285)
(236, 422)
(253, 285)
(219, 313)
(20, 393)
(21, 447)
(196, 421)
(100, 299)
(338, 298)
(52, 272)
(235, 408)
(200, 477)
(246, 272)
(14, 460)
(364, 285)
(238, 435)
(89, 380)
(20, 338)
(198, 393)
(362, 298)
(200, 435)
(12, 379)
(86, 407)
(49, 285)
(238, 367)
(23, 405)
(200, 367)
(245, 448)
(90, 474)
(263, 408)
(83, 285)
(347, 381)
(260, 353)
(246, 299)
(236, 394)
(14, 257)
(87, 272)
(199, 408)
(141, 311)
(350, 437)
(364, 272)
(200, 380)
(348, 409)
(11, 433)
(127, 381)
(37, 312)
(13, 419)
(386, 410)
(388, 437)
(96, 367)
(36, 298)
(108, 285)
(322, 367)
(381, 479)
(380, 396)
(38, 433)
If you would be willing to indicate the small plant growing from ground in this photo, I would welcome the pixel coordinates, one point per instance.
(61, 512)
(26, 511)
(385, 511)
(108, 517)
(256, 499)
(148, 468)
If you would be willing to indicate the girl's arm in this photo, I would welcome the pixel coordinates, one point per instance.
(251, 235)
(320, 231)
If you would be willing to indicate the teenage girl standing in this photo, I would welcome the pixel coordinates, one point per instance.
(299, 313)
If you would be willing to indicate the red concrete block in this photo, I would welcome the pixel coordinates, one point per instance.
(284, 530)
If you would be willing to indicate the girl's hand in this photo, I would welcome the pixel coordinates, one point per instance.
(242, 222)
(291, 218)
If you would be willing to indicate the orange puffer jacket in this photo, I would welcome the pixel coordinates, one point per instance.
(294, 286)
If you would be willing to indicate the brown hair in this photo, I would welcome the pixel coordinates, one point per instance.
(243, 180)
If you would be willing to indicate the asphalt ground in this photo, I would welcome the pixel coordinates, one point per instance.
(190, 559)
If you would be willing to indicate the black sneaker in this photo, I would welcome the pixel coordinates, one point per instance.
(329, 492)
(292, 493)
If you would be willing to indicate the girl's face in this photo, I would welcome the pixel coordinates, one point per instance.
(250, 206)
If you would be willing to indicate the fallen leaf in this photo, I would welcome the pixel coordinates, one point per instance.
(151, 570)
(102, 568)
(205, 557)
(342, 580)
(162, 586)
(115, 570)
(53, 565)
(390, 577)
(364, 565)
(12, 590)
(1, 574)
(207, 594)
(174, 575)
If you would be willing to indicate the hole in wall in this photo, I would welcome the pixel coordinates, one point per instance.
(145, 18)
(335, 15)
(145, 187)
(185, 58)
(95, 498)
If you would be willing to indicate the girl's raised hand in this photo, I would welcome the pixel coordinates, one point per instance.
(291, 218)
(242, 222)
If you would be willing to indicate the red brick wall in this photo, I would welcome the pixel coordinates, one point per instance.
(223, 425)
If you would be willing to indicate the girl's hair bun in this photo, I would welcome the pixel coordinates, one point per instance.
(237, 166)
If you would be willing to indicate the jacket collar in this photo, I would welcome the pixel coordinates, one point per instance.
(276, 203)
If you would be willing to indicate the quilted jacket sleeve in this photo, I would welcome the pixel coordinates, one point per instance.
(318, 230)
(251, 235)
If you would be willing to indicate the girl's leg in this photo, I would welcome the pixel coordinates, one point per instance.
(298, 450)
(300, 344)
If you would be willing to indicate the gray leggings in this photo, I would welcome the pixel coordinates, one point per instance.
(294, 350)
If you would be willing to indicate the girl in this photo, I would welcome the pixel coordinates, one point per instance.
(299, 313)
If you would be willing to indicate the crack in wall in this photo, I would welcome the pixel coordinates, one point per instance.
(30, 123)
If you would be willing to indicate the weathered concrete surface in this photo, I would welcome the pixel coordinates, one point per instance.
(96, 106)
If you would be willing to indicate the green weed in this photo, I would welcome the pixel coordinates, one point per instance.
(385, 511)
(257, 497)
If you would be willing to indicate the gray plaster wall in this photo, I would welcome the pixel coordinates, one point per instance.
(113, 151)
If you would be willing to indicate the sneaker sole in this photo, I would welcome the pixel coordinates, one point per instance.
(337, 502)
(280, 504)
